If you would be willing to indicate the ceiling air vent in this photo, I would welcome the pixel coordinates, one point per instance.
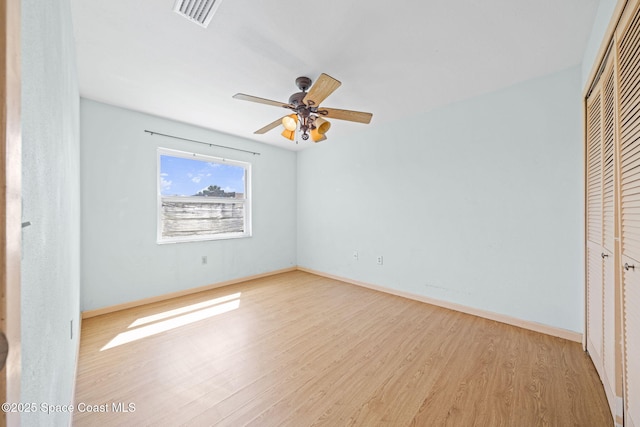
(198, 11)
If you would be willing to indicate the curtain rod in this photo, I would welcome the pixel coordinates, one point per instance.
(201, 142)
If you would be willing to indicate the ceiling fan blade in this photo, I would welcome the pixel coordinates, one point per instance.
(270, 126)
(352, 116)
(244, 97)
(323, 87)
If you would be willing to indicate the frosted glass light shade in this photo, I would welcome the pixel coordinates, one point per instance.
(322, 125)
(290, 122)
(317, 136)
(289, 134)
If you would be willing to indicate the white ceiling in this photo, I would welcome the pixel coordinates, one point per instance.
(394, 59)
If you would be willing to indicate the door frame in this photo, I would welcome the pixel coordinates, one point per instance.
(10, 202)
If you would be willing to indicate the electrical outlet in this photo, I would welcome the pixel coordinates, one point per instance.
(379, 260)
(355, 255)
(204, 259)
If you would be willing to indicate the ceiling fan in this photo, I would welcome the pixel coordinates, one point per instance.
(308, 116)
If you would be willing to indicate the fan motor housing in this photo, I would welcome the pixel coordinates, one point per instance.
(296, 99)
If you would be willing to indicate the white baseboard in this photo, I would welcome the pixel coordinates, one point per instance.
(533, 326)
(514, 321)
(97, 312)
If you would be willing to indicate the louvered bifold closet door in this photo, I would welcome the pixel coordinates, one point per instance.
(610, 304)
(594, 228)
(629, 140)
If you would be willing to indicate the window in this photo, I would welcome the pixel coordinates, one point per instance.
(202, 197)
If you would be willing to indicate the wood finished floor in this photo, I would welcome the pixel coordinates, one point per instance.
(296, 349)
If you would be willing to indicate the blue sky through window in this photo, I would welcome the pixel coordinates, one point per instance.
(180, 176)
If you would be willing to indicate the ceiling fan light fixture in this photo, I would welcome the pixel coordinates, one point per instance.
(290, 122)
(305, 122)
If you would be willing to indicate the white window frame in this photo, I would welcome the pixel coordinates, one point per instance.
(210, 159)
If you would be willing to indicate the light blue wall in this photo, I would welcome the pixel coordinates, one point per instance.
(51, 202)
(120, 257)
(478, 203)
(600, 24)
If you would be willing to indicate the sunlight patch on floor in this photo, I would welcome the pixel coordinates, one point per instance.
(191, 316)
(193, 307)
